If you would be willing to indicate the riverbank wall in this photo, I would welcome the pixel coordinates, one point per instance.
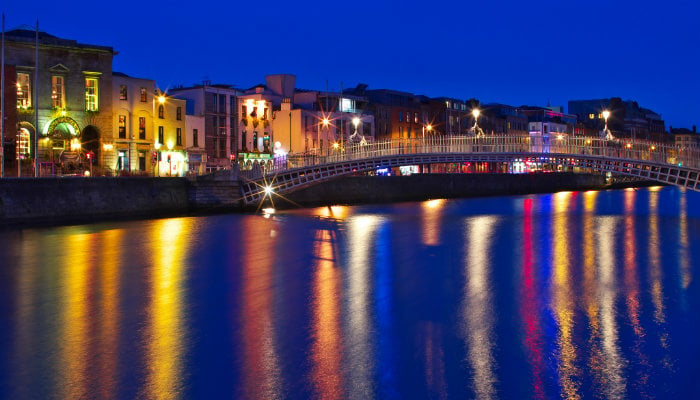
(55, 201)
(389, 189)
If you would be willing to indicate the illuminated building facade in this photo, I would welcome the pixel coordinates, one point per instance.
(134, 139)
(218, 105)
(196, 154)
(72, 92)
(170, 135)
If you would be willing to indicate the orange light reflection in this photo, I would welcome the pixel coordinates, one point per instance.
(327, 345)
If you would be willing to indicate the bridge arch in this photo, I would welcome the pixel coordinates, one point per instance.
(641, 159)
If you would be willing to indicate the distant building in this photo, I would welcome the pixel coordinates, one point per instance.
(218, 105)
(501, 119)
(546, 125)
(627, 118)
(685, 138)
(73, 95)
(195, 128)
(397, 115)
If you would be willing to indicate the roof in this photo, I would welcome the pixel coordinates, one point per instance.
(30, 36)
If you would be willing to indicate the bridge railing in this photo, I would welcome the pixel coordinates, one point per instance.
(528, 146)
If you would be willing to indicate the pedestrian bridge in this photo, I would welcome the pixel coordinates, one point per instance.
(642, 159)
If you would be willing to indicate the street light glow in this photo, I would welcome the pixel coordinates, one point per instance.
(161, 99)
(356, 121)
(335, 145)
(476, 113)
(268, 190)
(606, 114)
(325, 121)
(429, 127)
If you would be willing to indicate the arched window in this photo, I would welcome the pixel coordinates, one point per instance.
(160, 111)
(23, 148)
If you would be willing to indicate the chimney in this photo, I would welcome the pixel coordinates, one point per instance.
(695, 130)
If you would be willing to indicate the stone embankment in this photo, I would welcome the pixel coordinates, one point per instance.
(51, 201)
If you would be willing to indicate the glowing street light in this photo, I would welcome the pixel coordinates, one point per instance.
(475, 128)
(161, 99)
(608, 134)
(268, 190)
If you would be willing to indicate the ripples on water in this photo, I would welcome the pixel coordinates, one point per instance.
(577, 295)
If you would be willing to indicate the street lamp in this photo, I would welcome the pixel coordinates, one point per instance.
(608, 134)
(476, 113)
(325, 123)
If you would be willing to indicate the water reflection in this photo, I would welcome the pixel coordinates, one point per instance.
(562, 298)
(530, 303)
(432, 216)
(167, 330)
(74, 365)
(361, 232)
(477, 305)
(261, 373)
(327, 348)
(109, 286)
(614, 384)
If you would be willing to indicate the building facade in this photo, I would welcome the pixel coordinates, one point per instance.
(626, 119)
(63, 103)
(170, 135)
(133, 124)
(218, 105)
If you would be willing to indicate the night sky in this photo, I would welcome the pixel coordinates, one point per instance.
(513, 52)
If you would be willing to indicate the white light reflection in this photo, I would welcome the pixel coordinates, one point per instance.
(432, 215)
(613, 362)
(477, 308)
(361, 231)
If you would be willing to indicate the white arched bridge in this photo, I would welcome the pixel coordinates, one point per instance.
(635, 158)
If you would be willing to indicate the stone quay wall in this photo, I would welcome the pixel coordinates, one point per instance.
(52, 201)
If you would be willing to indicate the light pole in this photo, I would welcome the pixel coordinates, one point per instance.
(325, 122)
(608, 134)
(476, 113)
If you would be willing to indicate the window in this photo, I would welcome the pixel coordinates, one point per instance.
(24, 95)
(142, 128)
(160, 134)
(122, 92)
(57, 95)
(144, 95)
(415, 118)
(91, 93)
(23, 148)
(161, 111)
(179, 114)
(122, 127)
(591, 116)
(178, 137)
(400, 116)
(195, 138)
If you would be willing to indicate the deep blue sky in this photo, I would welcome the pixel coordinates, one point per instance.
(513, 52)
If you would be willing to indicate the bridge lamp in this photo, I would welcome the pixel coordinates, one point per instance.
(268, 190)
(653, 147)
(629, 145)
(560, 137)
(325, 122)
(606, 115)
(356, 122)
(476, 113)
(335, 145)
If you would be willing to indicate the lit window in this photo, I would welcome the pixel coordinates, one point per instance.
(178, 137)
(122, 127)
(591, 116)
(179, 114)
(161, 111)
(57, 93)
(144, 95)
(91, 93)
(122, 92)
(142, 128)
(23, 148)
(160, 135)
(24, 95)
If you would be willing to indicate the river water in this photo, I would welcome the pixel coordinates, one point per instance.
(576, 294)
